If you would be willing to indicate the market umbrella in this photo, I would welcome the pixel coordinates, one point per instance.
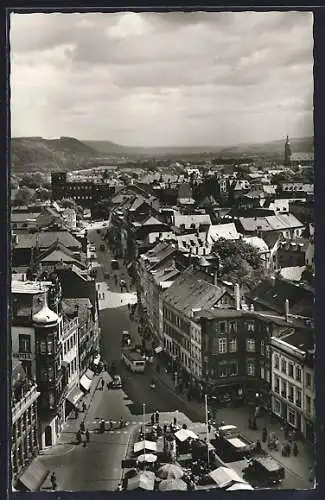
(144, 481)
(170, 471)
(240, 486)
(173, 485)
(148, 458)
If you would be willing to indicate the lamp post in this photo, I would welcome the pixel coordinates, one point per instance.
(144, 424)
(207, 426)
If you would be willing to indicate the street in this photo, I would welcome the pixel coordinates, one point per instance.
(137, 386)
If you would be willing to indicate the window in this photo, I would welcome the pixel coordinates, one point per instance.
(290, 393)
(222, 343)
(290, 369)
(50, 372)
(262, 372)
(233, 368)
(50, 347)
(251, 326)
(284, 389)
(223, 370)
(308, 405)
(276, 361)
(298, 398)
(250, 345)
(262, 347)
(291, 417)
(277, 407)
(298, 373)
(267, 351)
(251, 368)
(51, 399)
(308, 379)
(233, 326)
(24, 343)
(233, 345)
(267, 375)
(283, 366)
(222, 327)
(277, 385)
(43, 347)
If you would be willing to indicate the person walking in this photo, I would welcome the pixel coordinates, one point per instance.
(87, 435)
(53, 481)
(84, 407)
(152, 419)
(102, 383)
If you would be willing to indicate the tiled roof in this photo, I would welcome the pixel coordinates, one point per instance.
(197, 219)
(46, 239)
(277, 222)
(188, 292)
(227, 231)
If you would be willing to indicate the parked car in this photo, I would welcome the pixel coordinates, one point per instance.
(116, 382)
(114, 265)
(264, 472)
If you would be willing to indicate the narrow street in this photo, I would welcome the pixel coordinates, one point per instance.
(113, 321)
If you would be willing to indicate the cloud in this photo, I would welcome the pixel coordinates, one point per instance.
(162, 78)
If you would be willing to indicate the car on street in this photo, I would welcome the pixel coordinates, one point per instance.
(264, 472)
(116, 382)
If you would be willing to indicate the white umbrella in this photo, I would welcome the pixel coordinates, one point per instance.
(240, 486)
(170, 471)
(148, 458)
(144, 481)
(173, 485)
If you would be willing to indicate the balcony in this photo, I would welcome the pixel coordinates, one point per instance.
(24, 403)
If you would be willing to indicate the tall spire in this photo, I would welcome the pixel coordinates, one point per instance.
(287, 152)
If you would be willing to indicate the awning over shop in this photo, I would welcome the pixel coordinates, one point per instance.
(74, 396)
(86, 379)
(34, 476)
(158, 349)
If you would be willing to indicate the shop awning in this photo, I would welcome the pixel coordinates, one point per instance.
(74, 396)
(34, 476)
(86, 380)
(158, 349)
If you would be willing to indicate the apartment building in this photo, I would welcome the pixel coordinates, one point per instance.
(293, 387)
(24, 421)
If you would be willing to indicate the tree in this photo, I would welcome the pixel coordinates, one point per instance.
(43, 194)
(239, 262)
(24, 196)
(33, 180)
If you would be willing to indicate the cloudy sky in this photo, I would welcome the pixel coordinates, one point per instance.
(150, 79)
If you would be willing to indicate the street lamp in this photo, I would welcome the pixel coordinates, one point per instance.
(144, 423)
(207, 425)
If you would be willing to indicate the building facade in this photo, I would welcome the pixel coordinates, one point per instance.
(24, 421)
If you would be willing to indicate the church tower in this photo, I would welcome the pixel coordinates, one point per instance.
(287, 152)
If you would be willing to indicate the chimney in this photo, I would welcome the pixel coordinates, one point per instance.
(286, 309)
(237, 297)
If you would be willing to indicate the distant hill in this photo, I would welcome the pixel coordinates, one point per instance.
(298, 145)
(30, 154)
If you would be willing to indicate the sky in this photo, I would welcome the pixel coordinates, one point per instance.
(162, 79)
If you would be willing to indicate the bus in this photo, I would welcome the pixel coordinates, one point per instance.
(133, 360)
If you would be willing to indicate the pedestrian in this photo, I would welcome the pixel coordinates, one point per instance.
(82, 426)
(115, 279)
(76, 413)
(87, 436)
(84, 407)
(209, 427)
(157, 417)
(102, 383)
(295, 449)
(286, 433)
(258, 446)
(264, 435)
(53, 481)
(165, 428)
(249, 422)
(129, 307)
(175, 421)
